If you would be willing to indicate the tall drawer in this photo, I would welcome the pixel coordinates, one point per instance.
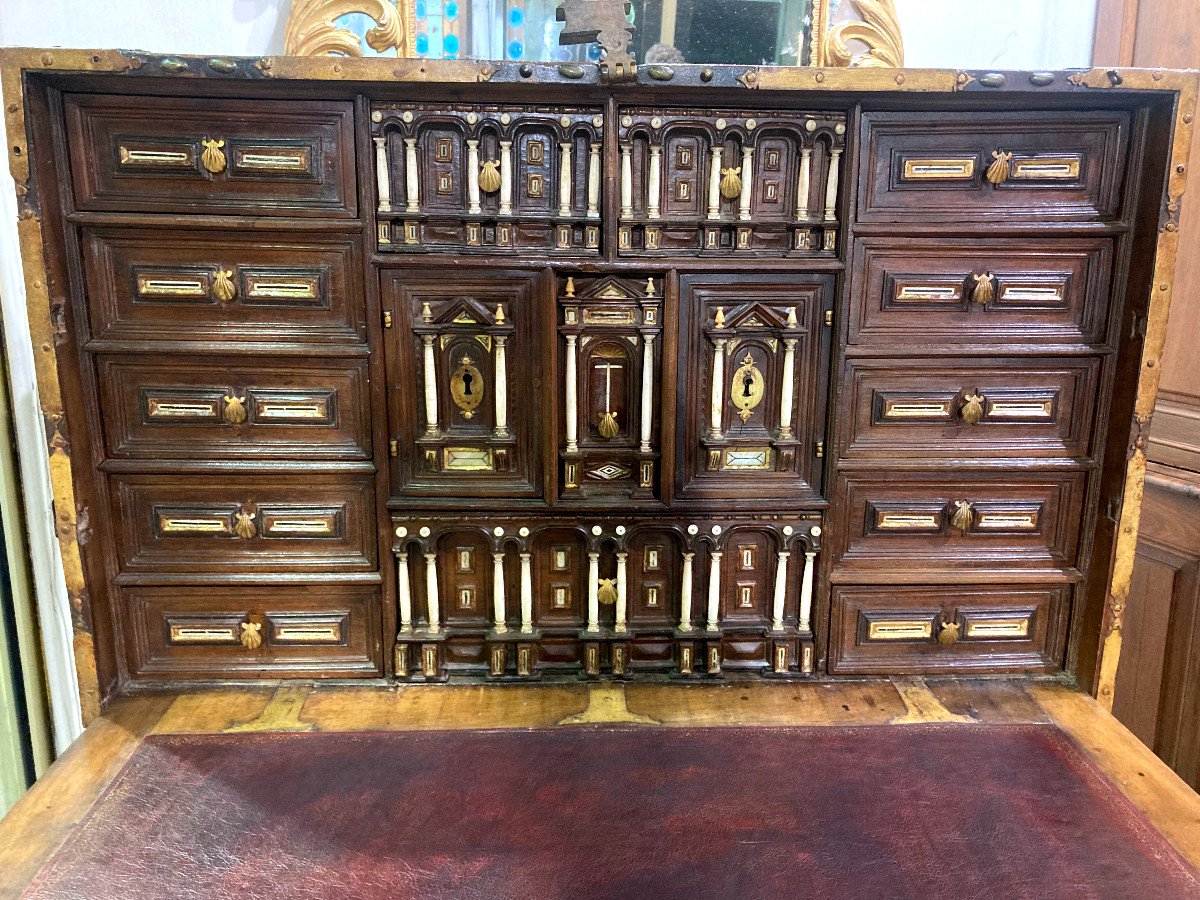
(224, 523)
(220, 286)
(186, 155)
(254, 632)
(907, 520)
(924, 629)
(222, 407)
(978, 407)
(981, 291)
(992, 166)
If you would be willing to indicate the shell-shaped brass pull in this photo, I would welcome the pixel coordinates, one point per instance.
(244, 525)
(251, 636)
(213, 156)
(973, 407)
(949, 633)
(608, 427)
(235, 409)
(489, 176)
(997, 172)
(607, 593)
(964, 515)
(223, 288)
(984, 291)
(731, 183)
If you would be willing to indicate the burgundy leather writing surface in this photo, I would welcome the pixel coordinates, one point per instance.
(907, 812)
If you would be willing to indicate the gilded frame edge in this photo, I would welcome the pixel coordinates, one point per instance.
(14, 62)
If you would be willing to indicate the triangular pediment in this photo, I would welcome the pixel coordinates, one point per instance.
(462, 311)
(610, 288)
(755, 315)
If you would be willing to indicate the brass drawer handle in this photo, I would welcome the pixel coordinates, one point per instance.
(251, 636)
(949, 633)
(964, 515)
(213, 156)
(223, 288)
(245, 526)
(984, 291)
(972, 409)
(235, 410)
(997, 172)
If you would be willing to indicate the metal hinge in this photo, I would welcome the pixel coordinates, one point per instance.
(820, 449)
(394, 448)
(387, 320)
(829, 317)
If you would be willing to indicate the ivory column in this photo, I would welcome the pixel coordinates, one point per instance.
(654, 189)
(806, 590)
(506, 178)
(411, 180)
(714, 182)
(831, 186)
(432, 601)
(473, 207)
(381, 175)
(803, 183)
(785, 389)
(622, 591)
(498, 592)
(685, 593)
(593, 197)
(405, 592)
(572, 389)
(781, 568)
(714, 589)
(501, 430)
(747, 183)
(627, 180)
(647, 391)
(717, 404)
(564, 179)
(593, 592)
(526, 593)
(431, 404)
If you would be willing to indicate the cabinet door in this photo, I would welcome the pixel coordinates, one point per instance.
(754, 359)
(465, 383)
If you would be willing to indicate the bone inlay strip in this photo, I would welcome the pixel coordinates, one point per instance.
(917, 409)
(198, 634)
(278, 410)
(1014, 628)
(929, 292)
(258, 286)
(1020, 409)
(940, 169)
(293, 161)
(171, 287)
(1030, 294)
(1007, 521)
(900, 631)
(902, 521)
(1055, 168)
(193, 524)
(165, 409)
(176, 158)
(317, 525)
(309, 633)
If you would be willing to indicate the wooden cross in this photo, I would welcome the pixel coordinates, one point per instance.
(605, 22)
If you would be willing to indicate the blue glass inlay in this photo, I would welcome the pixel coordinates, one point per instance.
(421, 9)
(451, 11)
(515, 49)
(450, 44)
(422, 43)
(516, 16)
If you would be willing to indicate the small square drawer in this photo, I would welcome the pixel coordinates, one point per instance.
(187, 155)
(298, 630)
(929, 629)
(901, 521)
(997, 167)
(221, 286)
(982, 291)
(970, 407)
(222, 407)
(224, 523)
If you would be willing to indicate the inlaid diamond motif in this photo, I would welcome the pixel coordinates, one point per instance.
(609, 472)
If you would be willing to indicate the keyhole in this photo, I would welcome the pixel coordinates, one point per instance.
(747, 381)
(467, 379)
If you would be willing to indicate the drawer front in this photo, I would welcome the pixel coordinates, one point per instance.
(210, 286)
(993, 167)
(987, 407)
(901, 521)
(981, 291)
(226, 524)
(261, 158)
(255, 632)
(916, 629)
(234, 407)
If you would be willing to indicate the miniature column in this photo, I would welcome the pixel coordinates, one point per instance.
(526, 593)
(717, 405)
(593, 592)
(803, 182)
(593, 197)
(381, 175)
(714, 182)
(411, 181)
(685, 593)
(498, 593)
(430, 372)
(785, 388)
(627, 180)
(747, 183)
(473, 207)
(781, 568)
(647, 392)
(806, 590)
(405, 591)
(572, 388)
(432, 600)
(501, 430)
(831, 186)
(714, 589)
(506, 178)
(654, 188)
(564, 180)
(622, 591)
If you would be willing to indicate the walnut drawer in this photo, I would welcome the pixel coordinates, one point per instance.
(895, 629)
(921, 167)
(253, 632)
(188, 155)
(167, 284)
(922, 292)
(223, 523)
(901, 521)
(971, 407)
(223, 407)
